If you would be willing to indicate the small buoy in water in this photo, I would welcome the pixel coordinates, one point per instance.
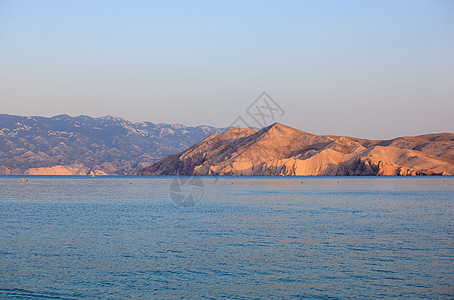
(338, 182)
(130, 183)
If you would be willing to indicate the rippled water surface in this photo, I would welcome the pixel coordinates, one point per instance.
(254, 237)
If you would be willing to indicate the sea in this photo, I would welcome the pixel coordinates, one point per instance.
(164, 237)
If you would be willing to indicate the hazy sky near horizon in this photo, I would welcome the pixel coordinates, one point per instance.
(374, 69)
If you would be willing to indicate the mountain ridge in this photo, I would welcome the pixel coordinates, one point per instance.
(282, 150)
(81, 145)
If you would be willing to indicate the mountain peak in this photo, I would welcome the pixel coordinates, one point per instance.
(283, 129)
(62, 116)
(276, 125)
(111, 118)
(235, 132)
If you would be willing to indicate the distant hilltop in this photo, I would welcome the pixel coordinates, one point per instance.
(64, 145)
(282, 150)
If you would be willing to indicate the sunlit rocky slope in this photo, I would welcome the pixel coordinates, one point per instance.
(282, 150)
(64, 145)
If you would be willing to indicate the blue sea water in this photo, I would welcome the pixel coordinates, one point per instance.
(78, 237)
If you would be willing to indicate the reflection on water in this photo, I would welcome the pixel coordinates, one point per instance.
(315, 237)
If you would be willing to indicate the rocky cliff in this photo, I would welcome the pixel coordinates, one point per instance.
(64, 145)
(282, 150)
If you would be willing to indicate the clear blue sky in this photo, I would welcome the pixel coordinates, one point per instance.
(376, 69)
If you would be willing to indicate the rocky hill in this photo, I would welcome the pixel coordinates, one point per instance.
(282, 150)
(64, 145)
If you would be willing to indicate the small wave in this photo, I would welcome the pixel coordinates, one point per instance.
(25, 294)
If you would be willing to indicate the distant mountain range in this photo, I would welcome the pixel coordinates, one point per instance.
(282, 150)
(85, 145)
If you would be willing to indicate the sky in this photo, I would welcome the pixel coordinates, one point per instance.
(371, 69)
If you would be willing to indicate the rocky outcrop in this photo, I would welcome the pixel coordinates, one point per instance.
(64, 145)
(282, 150)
